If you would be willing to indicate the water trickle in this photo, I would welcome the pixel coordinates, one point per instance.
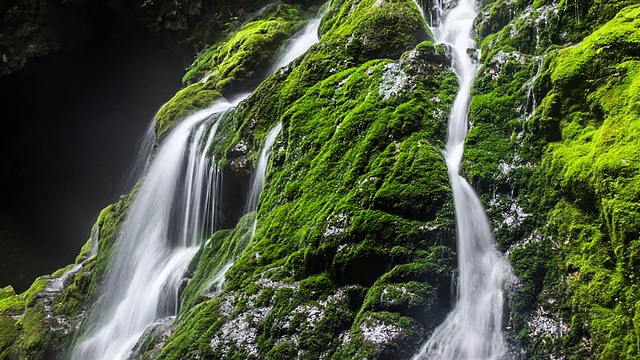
(217, 282)
(473, 329)
(531, 104)
(261, 169)
(301, 42)
(57, 284)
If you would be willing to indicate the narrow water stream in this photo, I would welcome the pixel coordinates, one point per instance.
(473, 329)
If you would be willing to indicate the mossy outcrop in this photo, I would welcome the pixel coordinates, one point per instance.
(42, 322)
(356, 210)
(232, 66)
(553, 135)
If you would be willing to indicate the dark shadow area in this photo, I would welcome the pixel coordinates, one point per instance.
(71, 128)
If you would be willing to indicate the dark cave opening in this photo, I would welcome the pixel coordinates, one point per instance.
(72, 125)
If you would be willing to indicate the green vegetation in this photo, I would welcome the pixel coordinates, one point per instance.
(564, 177)
(40, 323)
(355, 205)
(232, 65)
(248, 52)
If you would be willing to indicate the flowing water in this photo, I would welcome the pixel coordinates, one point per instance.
(261, 169)
(300, 43)
(155, 246)
(168, 218)
(473, 329)
(217, 282)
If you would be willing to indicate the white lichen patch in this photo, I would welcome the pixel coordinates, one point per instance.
(515, 216)
(380, 333)
(345, 338)
(511, 212)
(240, 147)
(394, 81)
(226, 306)
(245, 315)
(501, 58)
(545, 324)
(336, 225)
(533, 238)
(439, 114)
(396, 294)
(241, 332)
(428, 227)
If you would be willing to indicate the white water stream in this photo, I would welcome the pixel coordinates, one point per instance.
(261, 169)
(155, 246)
(216, 284)
(473, 329)
(300, 43)
(164, 226)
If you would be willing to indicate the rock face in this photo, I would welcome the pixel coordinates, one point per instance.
(352, 253)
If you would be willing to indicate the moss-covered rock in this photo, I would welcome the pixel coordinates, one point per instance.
(233, 65)
(351, 255)
(41, 322)
(355, 208)
(550, 147)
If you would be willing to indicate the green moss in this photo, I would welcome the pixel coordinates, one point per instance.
(9, 334)
(248, 52)
(231, 66)
(354, 194)
(10, 303)
(571, 168)
(222, 249)
(186, 101)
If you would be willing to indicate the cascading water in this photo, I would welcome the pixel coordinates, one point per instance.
(306, 38)
(164, 227)
(300, 43)
(473, 329)
(155, 246)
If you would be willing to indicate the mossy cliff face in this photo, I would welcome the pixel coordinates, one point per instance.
(232, 66)
(356, 212)
(553, 148)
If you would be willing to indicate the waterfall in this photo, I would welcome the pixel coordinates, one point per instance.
(171, 213)
(155, 246)
(301, 42)
(473, 329)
